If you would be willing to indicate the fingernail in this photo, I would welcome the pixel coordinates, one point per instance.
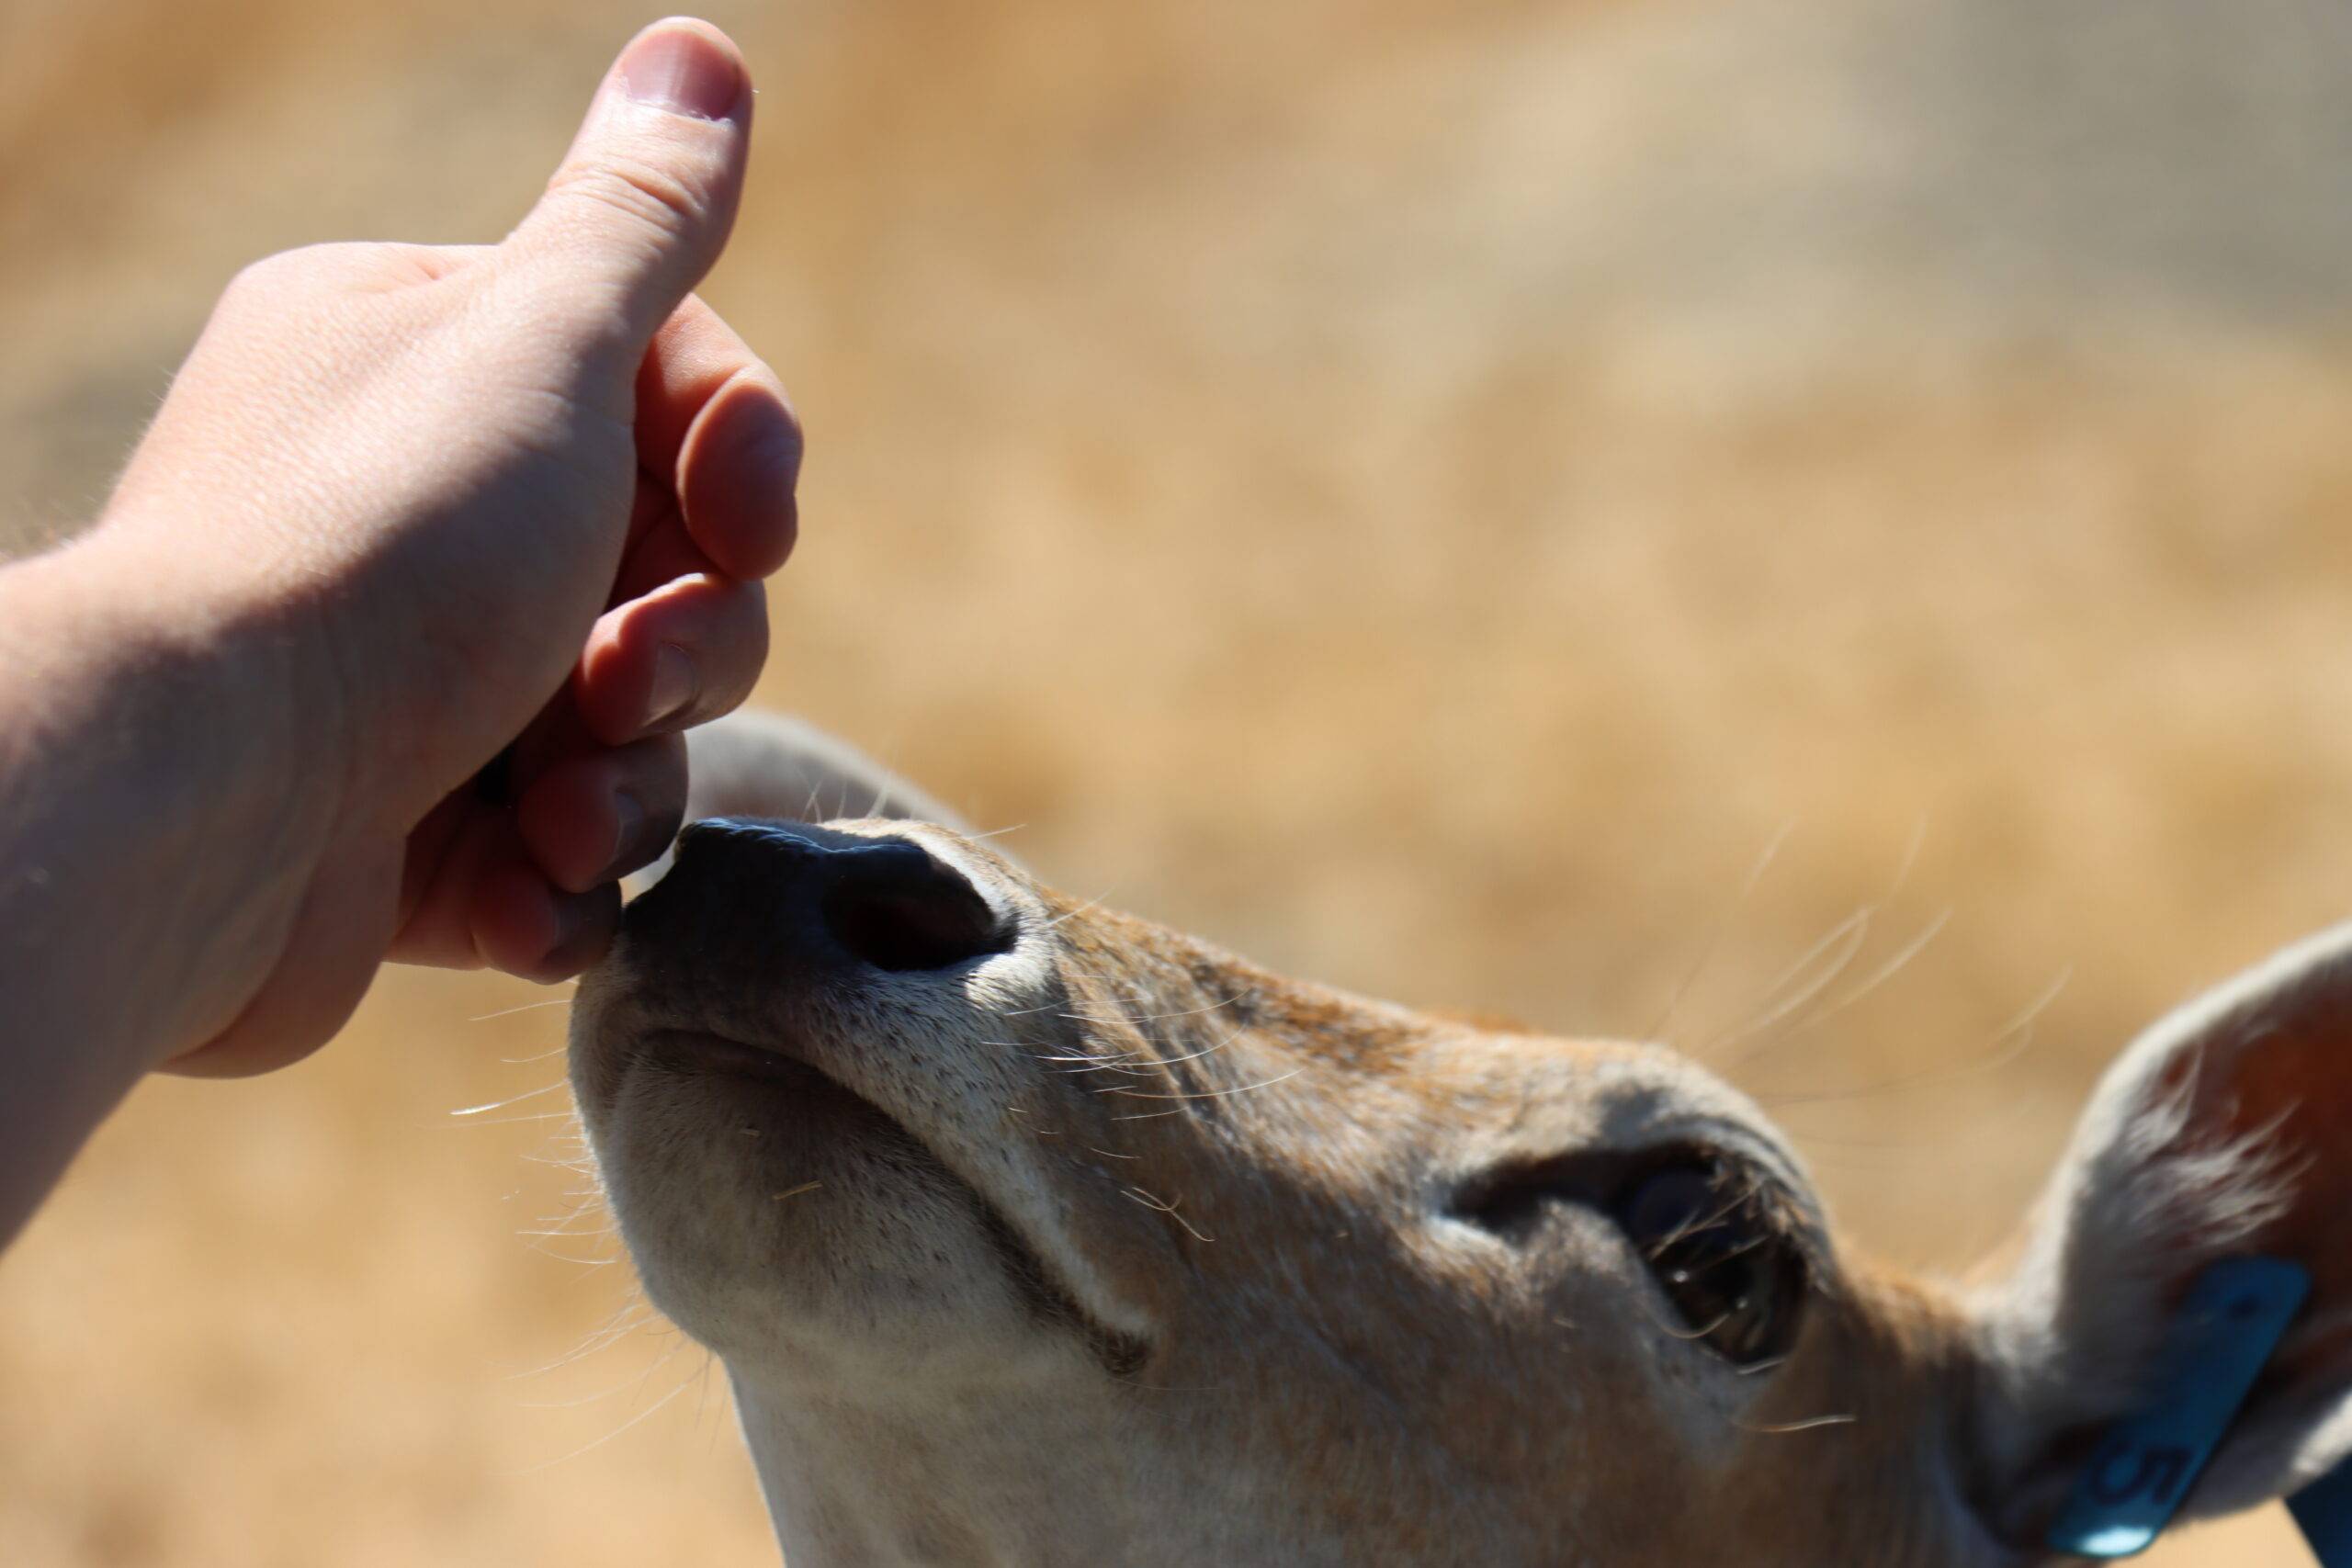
(675, 685)
(629, 818)
(683, 71)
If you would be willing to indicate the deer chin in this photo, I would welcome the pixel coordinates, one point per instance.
(786, 1212)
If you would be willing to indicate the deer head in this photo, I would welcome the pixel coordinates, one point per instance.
(1031, 1232)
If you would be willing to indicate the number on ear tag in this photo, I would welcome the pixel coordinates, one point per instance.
(2229, 1323)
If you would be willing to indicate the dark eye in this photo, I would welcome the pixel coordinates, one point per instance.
(1709, 1233)
(1713, 1232)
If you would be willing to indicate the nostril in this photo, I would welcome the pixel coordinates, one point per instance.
(930, 921)
(885, 901)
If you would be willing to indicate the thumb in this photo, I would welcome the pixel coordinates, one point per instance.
(641, 205)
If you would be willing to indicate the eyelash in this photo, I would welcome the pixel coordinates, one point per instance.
(1713, 1232)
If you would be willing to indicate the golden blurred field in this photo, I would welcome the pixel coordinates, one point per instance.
(1426, 492)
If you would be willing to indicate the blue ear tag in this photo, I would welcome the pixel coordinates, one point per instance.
(2229, 1323)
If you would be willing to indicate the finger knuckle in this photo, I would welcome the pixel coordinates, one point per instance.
(306, 272)
(269, 275)
(672, 207)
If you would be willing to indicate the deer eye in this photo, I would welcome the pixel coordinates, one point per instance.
(1709, 1235)
(1718, 1236)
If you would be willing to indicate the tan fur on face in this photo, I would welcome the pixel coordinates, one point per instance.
(1253, 1175)
(1113, 1247)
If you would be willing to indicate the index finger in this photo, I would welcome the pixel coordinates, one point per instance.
(714, 424)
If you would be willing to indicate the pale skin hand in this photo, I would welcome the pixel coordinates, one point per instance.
(383, 647)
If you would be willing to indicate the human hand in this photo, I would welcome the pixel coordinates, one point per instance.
(459, 505)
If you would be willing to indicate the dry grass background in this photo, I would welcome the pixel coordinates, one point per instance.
(1424, 492)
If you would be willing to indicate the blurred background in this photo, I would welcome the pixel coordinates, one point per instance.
(1818, 529)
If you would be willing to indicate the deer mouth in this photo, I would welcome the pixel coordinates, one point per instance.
(803, 1099)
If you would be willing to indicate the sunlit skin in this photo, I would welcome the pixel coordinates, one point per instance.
(384, 644)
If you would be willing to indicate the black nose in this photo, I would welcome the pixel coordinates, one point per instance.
(882, 901)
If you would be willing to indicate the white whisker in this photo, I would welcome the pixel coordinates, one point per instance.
(1204, 1094)
(1721, 927)
(1148, 1202)
(516, 1099)
(1072, 913)
(511, 1120)
(2020, 1029)
(1834, 953)
(644, 1415)
(564, 1000)
(1776, 1428)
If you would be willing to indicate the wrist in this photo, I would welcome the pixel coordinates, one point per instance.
(160, 750)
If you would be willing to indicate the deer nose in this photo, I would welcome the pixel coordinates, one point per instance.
(883, 902)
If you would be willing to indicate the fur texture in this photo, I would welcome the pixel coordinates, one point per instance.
(1099, 1244)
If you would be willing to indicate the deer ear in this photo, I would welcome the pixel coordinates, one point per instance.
(2223, 1132)
(764, 764)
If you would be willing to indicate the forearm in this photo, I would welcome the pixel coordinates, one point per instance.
(405, 509)
(154, 834)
